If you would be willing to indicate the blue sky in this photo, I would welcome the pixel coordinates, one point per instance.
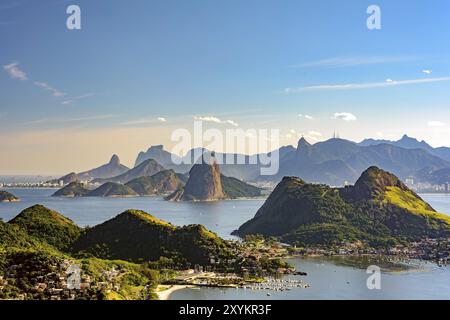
(260, 64)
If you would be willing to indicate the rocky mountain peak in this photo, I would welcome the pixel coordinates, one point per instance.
(303, 143)
(204, 182)
(115, 160)
(375, 181)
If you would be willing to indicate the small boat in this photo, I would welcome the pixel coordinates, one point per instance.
(268, 294)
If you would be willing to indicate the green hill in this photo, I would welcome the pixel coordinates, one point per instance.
(234, 188)
(112, 189)
(163, 182)
(72, 190)
(14, 237)
(47, 226)
(379, 209)
(137, 236)
(5, 196)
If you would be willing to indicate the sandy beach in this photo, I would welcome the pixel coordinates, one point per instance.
(164, 291)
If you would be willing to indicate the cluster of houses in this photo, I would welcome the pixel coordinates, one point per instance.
(64, 281)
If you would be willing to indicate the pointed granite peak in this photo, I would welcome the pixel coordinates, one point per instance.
(407, 138)
(115, 160)
(303, 143)
(204, 183)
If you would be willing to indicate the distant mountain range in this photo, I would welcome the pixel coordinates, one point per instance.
(337, 161)
(111, 169)
(333, 162)
(411, 143)
(145, 169)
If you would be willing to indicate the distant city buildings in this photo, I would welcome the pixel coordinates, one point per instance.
(43, 184)
(425, 187)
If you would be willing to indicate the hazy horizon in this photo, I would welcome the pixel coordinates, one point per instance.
(131, 162)
(129, 78)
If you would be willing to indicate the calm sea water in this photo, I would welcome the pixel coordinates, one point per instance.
(222, 217)
(330, 278)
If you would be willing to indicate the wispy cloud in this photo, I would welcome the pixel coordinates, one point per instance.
(346, 116)
(68, 120)
(144, 121)
(427, 71)
(216, 120)
(306, 116)
(71, 100)
(15, 72)
(46, 86)
(340, 62)
(436, 124)
(370, 85)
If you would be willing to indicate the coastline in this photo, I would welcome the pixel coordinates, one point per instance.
(164, 291)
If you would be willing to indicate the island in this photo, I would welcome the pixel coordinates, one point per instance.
(72, 190)
(206, 183)
(161, 183)
(108, 189)
(5, 196)
(112, 190)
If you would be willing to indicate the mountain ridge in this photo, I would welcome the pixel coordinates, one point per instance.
(378, 209)
(147, 168)
(336, 161)
(110, 169)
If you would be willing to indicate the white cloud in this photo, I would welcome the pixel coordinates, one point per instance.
(389, 80)
(73, 99)
(346, 116)
(370, 85)
(216, 120)
(46, 86)
(339, 62)
(306, 116)
(15, 72)
(144, 121)
(68, 120)
(315, 134)
(427, 71)
(436, 124)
